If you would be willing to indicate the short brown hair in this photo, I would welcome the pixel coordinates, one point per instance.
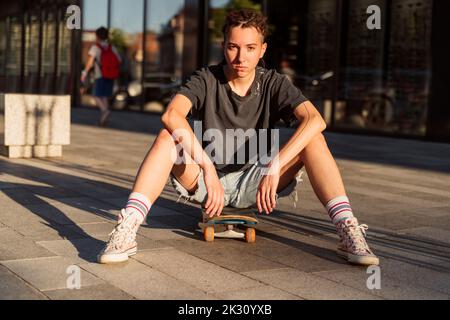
(245, 18)
(102, 33)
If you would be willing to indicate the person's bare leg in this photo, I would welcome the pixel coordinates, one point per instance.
(321, 167)
(150, 181)
(327, 183)
(103, 104)
(100, 101)
(157, 166)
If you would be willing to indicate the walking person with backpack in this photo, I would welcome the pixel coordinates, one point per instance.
(105, 59)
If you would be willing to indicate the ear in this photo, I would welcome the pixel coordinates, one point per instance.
(263, 50)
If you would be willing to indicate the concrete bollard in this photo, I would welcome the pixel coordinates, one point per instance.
(34, 126)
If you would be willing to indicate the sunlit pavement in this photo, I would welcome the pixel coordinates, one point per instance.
(56, 215)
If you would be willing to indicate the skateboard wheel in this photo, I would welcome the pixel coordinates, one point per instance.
(208, 233)
(250, 235)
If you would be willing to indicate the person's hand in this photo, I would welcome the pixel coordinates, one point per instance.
(214, 188)
(83, 76)
(267, 190)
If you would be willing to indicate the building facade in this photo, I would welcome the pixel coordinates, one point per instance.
(387, 81)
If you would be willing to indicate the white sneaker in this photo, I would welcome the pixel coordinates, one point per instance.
(122, 242)
(353, 246)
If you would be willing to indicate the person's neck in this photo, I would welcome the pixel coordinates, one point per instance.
(240, 86)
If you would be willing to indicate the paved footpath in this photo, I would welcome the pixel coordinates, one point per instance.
(55, 216)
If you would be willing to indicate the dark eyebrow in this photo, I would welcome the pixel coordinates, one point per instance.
(247, 45)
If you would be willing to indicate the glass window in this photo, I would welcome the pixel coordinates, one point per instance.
(3, 41)
(95, 14)
(64, 56)
(301, 46)
(126, 34)
(163, 52)
(386, 88)
(48, 52)
(31, 52)
(409, 66)
(13, 53)
(362, 75)
(3, 52)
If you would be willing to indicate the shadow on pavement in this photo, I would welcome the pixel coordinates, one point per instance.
(66, 188)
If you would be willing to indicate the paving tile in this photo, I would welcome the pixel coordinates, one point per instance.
(313, 224)
(14, 288)
(93, 229)
(48, 273)
(97, 292)
(155, 211)
(100, 189)
(155, 230)
(34, 227)
(146, 283)
(418, 274)
(307, 285)
(405, 219)
(197, 272)
(86, 249)
(64, 214)
(294, 253)
(20, 196)
(430, 233)
(389, 197)
(401, 187)
(15, 246)
(412, 249)
(225, 255)
(390, 288)
(13, 181)
(258, 293)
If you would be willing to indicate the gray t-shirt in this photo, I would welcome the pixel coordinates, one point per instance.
(271, 97)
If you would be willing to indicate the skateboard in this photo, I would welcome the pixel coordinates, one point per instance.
(210, 226)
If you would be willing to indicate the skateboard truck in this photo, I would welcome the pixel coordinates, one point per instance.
(230, 221)
(229, 233)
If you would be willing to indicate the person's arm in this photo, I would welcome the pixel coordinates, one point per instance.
(87, 68)
(174, 120)
(311, 124)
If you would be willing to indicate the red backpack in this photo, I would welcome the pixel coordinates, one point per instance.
(109, 63)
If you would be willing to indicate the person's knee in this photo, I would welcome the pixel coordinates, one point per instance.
(317, 141)
(165, 137)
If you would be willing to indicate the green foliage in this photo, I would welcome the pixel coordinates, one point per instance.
(117, 39)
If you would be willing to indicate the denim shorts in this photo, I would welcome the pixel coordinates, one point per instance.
(240, 188)
(103, 87)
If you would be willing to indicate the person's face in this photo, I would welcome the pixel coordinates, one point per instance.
(242, 49)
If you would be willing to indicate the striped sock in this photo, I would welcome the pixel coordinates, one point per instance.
(138, 205)
(339, 209)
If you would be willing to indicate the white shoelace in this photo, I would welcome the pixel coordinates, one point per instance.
(121, 233)
(356, 236)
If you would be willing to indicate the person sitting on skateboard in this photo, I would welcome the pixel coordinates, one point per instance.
(231, 99)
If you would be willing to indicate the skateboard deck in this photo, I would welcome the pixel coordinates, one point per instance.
(210, 226)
